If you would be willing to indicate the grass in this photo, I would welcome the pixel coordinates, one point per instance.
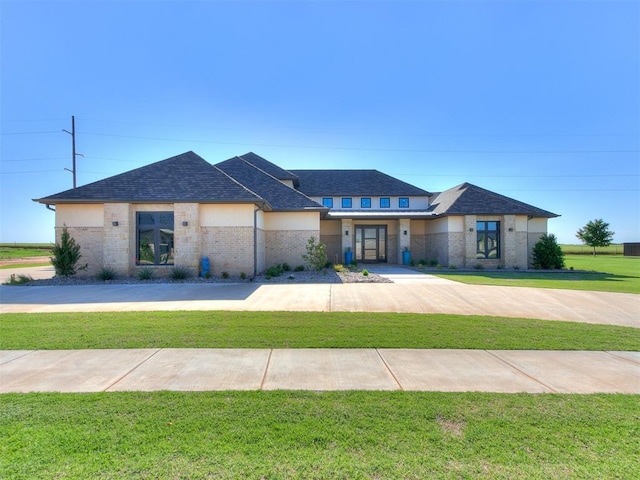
(10, 250)
(54, 331)
(608, 273)
(229, 435)
(572, 249)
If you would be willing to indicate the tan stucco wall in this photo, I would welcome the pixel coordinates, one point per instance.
(226, 215)
(298, 221)
(74, 215)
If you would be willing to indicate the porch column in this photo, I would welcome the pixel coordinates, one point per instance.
(347, 235)
(404, 237)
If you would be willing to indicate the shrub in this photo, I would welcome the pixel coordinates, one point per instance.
(18, 280)
(365, 272)
(286, 267)
(66, 255)
(338, 267)
(479, 266)
(316, 256)
(145, 274)
(180, 273)
(274, 271)
(243, 276)
(106, 274)
(433, 262)
(225, 275)
(299, 268)
(547, 254)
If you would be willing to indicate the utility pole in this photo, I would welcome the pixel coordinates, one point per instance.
(73, 149)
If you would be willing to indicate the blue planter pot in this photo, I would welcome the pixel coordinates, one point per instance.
(348, 258)
(406, 257)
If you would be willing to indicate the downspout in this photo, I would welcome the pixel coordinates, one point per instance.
(255, 240)
(49, 207)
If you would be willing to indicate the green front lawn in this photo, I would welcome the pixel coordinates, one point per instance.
(303, 330)
(230, 435)
(606, 273)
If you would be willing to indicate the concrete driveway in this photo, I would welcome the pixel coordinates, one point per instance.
(410, 296)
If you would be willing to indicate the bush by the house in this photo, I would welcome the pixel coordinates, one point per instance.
(547, 254)
(106, 274)
(316, 256)
(66, 255)
(180, 273)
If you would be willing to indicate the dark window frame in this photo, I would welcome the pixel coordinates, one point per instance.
(385, 202)
(365, 202)
(347, 202)
(403, 202)
(159, 230)
(327, 202)
(488, 240)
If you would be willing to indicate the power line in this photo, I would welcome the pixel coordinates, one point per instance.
(28, 133)
(325, 147)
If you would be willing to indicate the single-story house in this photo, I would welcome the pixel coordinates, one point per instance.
(246, 214)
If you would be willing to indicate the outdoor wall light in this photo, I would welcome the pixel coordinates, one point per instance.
(114, 224)
(471, 229)
(346, 233)
(185, 224)
(511, 229)
(405, 232)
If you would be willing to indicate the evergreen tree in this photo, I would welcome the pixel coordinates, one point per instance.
(66, 255)
(547, 254)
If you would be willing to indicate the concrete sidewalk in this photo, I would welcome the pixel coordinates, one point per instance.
(319, 369)
(408, 296)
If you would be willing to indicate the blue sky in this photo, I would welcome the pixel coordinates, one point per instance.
(539, 101)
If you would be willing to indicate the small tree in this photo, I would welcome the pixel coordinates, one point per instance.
(547, 254)
(596, 233)
(66, 255)
(316, 256)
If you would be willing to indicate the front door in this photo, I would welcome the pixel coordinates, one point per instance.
(371, 243)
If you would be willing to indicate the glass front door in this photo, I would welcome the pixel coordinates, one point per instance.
(371, 243)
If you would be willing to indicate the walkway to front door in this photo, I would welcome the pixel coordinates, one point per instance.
(371, 243)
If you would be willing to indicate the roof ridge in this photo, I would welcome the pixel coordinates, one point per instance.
(278, 180)
(243, 186)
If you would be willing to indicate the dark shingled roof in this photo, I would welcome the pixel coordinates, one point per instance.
(271, 168)
(183, 178)
(279, 195)
(316, 183)
(468, 199)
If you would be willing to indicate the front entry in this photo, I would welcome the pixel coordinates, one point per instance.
(371, 243)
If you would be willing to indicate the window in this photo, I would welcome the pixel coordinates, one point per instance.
(365, 202)
(385, 202)
(403, 202)
(346, 202)
(154, 238)
(488, 240)
(327, 202)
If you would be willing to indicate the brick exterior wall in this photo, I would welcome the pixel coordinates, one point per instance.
(91, 241)
(230, 249)
(187, 237)
(118, 248)
(284, 246)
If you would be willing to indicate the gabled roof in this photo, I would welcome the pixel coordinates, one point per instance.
(183, 178)
(280, 196)
(271, 168)
(357, 183)
(468, 199)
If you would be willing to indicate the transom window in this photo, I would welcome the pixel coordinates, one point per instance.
(154, 238)
(488, 240)
(365, 202)
(327, 202)
(385, 202)
(346, 202)
(403, 202)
